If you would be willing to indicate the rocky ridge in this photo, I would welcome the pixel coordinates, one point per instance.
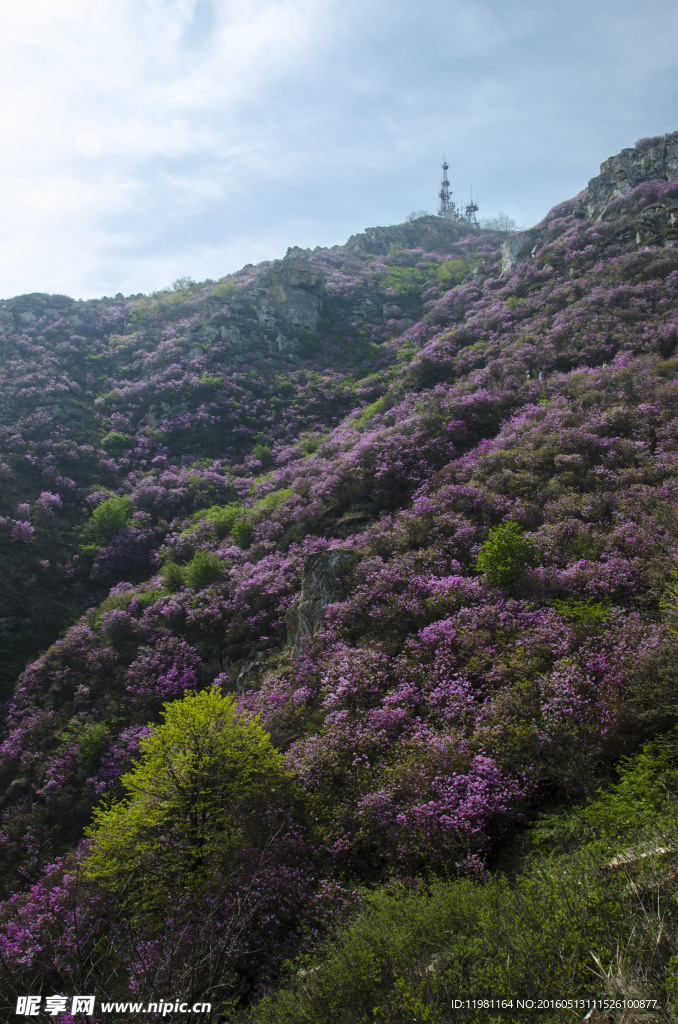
(656, 224)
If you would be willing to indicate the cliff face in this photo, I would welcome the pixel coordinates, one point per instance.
(655, 218)
(650, 160)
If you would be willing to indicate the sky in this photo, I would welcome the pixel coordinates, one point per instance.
(142, 141)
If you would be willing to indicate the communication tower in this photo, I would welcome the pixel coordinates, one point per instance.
(446, 207)
(471, 211)
(449, 209)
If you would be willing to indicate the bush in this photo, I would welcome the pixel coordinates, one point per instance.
(241, 532)
(204, 568)
(594, 914)
(263, 454)
(222, 517)
(108, 518)
(116, 443)
(505, 555)
(452, 272)
(172, 577)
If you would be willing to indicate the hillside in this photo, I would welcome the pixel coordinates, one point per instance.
(324, 582)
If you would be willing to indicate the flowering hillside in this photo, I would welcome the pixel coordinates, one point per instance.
(343, 569)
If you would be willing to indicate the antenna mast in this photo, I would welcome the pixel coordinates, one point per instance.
(471, 211)
(446, 208)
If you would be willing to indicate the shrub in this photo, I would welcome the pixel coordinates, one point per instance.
(452, 272)
(116, 443)
(505, 555)
(222, 517)
(172, 577)
(108, 518)
(241, 532)
(262, 453)
(601, 895)
(204, 568)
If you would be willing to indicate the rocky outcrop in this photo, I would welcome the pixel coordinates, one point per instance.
(518, 248)
(27, 310)
(294, 291)
(435, 234)
(649, 160)
(322, 583)
(266, 318)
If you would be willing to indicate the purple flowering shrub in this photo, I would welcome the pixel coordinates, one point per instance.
(440, 695)
(160, 672)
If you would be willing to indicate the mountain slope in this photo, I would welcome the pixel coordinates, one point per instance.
(411, 501)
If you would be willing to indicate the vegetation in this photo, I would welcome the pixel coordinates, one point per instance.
(505, 556)
(586, 918)
(340, 663)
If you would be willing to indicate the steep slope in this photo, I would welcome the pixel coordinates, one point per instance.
(411, 501)
(93, 392)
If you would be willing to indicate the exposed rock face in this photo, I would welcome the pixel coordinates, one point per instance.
(321, 584)
(432, 233)
(26, 310)
(518, 248)
(294, 291)
(265, 319)
(656, 225)
(651, 159)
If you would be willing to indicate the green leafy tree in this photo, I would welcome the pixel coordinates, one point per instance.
(116, 443)
(189, 802)
(505, 555)
(241, 532)
(222, 517)
(181, 862)
(172, 577)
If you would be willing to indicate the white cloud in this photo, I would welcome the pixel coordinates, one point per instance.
(144, 138)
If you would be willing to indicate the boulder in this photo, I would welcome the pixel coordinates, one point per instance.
(518, 248)
(294, 291)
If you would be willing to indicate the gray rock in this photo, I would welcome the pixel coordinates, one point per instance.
(322, 583)
(518, 248)
(159, 411)
(294, 291)
(435, 234)
(250, 672)
(619, 175)
(366, 310)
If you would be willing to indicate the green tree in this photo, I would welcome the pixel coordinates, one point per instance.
(172, 577)
(190, 802)
(180, 863)
(505, 555)
(116, 443)
(241, 532)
